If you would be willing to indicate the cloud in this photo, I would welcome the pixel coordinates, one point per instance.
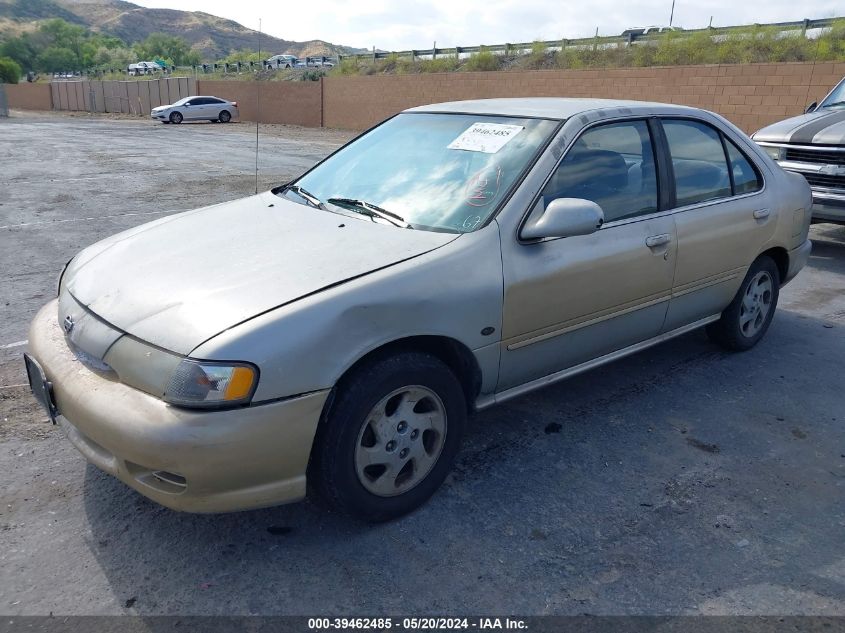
(393, 25)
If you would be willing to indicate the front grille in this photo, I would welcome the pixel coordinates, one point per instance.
(815, 156)
(822, 180)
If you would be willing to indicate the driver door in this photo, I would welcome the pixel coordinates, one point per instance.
(570, 300)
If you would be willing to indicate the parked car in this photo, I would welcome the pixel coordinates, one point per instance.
(341, 327)
(640, 31)
(281, 61)
(143, 68)
(813, 145)
(197, 109)
(319, 62)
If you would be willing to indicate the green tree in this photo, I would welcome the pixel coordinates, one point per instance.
(57, 59)
(168, 47)
(243, 55)
(10, 71)
(64, 35)
(22, 50)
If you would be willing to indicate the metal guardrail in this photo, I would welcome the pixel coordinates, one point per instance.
(599, 41)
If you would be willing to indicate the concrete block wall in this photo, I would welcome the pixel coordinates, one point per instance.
(750, 95)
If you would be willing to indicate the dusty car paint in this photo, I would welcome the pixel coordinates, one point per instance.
(304, 295)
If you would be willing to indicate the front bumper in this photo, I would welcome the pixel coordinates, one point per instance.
(828, 206)
(195, 461)
(158, 116)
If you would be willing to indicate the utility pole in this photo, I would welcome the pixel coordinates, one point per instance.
(672, 13)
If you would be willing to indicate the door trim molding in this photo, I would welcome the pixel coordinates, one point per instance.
(489, 400)
(706, 282)
(564, 329)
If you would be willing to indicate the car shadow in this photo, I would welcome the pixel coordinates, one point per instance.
(678, 480)
(598, 494)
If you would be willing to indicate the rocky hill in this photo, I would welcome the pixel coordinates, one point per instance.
(213, 37)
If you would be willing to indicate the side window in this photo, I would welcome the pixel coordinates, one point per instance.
(698, 160)
(746, 178)
(612, 165)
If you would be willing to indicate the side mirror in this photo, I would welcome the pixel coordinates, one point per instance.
(811, 108)
(565, 217)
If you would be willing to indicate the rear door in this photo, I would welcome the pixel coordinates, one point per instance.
(722, 214)
(213, 107)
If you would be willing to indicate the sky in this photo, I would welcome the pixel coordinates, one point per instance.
(406, 24)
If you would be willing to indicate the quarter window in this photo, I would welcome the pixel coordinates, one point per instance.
(611, 165)
(698, 160)
(745, 176)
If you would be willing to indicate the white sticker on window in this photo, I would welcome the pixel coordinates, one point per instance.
(485, 137)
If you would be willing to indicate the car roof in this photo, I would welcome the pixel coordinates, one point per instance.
(559, 108)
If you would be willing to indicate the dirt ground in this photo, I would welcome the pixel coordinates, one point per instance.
(682, 480)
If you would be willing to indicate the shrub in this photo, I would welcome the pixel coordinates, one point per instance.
(10, 71)
(483, 60)
(439, 65)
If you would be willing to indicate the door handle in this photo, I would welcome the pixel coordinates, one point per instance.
(658, 240)
(759, 214)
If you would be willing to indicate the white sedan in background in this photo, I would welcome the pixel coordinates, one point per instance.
(197, 109)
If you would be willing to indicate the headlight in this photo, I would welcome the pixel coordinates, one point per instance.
(777, 153)
(198, 383)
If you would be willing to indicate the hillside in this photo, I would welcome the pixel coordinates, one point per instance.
(213, 37)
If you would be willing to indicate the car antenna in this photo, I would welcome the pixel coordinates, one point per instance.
(258, 104)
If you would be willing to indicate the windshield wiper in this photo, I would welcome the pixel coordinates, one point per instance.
(835, 103)
(310, 198)
(372, 210)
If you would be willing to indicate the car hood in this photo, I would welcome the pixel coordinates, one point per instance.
(180, 280)
(823, 127)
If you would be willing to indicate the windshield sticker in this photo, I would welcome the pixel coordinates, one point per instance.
(485, 137)
(471, 222)
(483, 187)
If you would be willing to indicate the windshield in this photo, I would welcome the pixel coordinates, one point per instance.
(836, 98)
(434, 171)
(182, 101)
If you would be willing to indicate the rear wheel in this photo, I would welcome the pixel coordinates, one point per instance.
(745, 321)
(175, 117)
(224, 116)
(389, 438)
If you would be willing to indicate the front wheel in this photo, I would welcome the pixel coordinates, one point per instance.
(390, 437)
(745, 321)
(224, 116)
(176, 117)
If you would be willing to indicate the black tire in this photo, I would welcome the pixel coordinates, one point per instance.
(175, 118)
(333, 468)
(739, 329)
(225, 116)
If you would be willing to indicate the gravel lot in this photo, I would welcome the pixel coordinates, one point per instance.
(680, 480)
